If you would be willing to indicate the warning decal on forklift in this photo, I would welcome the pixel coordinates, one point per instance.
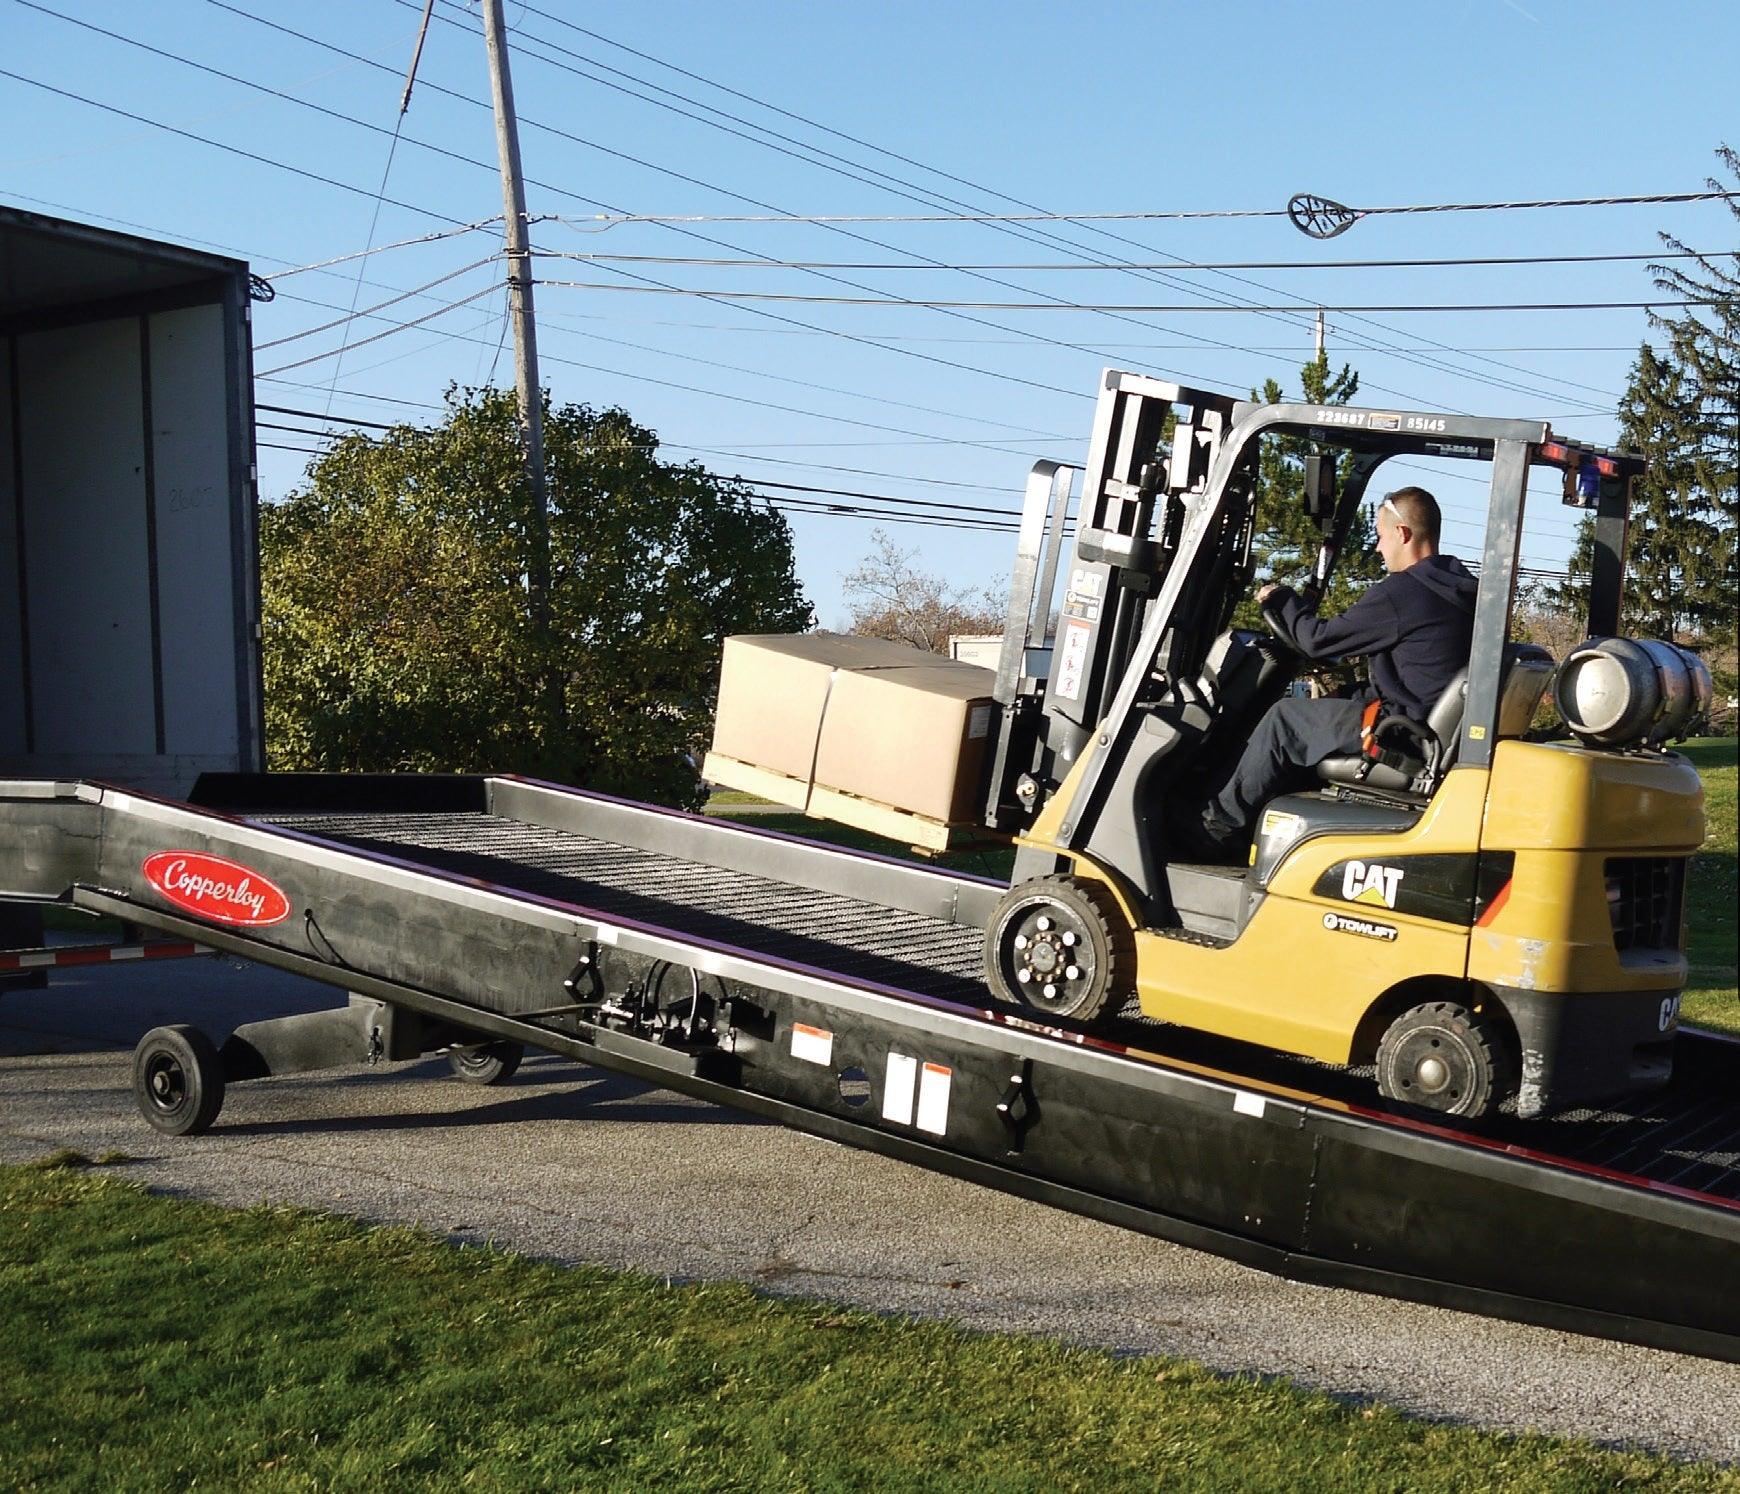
(1072, 658)
(933, 1098)
(214, 888)
(812, 1044)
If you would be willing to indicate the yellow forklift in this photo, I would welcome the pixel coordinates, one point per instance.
(1481, 914)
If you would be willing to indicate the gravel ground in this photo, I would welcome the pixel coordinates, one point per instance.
(578, 1165)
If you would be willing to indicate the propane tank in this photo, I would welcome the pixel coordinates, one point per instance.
(1627, 692)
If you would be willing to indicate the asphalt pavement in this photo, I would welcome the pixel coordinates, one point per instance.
(574, 1164)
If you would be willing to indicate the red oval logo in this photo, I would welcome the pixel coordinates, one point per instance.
(214, 888)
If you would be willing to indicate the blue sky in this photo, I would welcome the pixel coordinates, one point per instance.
(1111, 108)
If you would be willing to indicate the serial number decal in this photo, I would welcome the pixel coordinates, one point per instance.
(212, 887)
(1340, 923)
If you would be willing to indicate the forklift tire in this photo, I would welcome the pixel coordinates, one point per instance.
(490, 1063)
(1445, 1058)
(1056, 946)
(178, 1080)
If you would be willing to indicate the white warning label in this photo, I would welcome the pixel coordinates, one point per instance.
(812, 1044)
(933, 1098)
(1072, 658)
(899, 1088)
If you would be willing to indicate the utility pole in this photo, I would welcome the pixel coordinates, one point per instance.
(1320, 332)
(519, 258)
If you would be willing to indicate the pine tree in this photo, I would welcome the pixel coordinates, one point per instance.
(1704, 339)
(1678, 552)
(1286, 538)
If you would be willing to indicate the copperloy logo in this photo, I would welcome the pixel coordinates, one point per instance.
(211, 887)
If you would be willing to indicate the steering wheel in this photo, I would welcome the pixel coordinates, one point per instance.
(1277, 632)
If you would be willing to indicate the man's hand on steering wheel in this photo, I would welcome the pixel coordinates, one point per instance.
(1267, 590)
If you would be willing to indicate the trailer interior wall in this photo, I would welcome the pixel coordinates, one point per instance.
(128, 584)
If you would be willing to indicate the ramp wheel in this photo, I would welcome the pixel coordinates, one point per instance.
(1442, 1056)
(1059, 946)
(178, 1080)
(489, 1063)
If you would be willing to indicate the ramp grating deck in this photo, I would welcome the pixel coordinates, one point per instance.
(1687, 1135)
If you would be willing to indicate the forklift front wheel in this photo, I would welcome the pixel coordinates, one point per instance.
(1444, 1057)
(490, 1063)
(178, 1080)
(1053, 946)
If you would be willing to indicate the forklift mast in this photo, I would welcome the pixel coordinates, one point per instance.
(1163, 555)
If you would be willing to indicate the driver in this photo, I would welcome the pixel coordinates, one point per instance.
(1415, 626)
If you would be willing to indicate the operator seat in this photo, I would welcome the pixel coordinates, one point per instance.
(1526, 671)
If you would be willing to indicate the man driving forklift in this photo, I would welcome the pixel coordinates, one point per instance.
(1415, 627)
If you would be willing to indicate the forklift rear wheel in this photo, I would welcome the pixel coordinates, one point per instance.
(1053, 945)
(490, 1063)
(1444, 1057)
(178, 1080)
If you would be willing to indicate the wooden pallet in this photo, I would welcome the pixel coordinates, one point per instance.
(919, 831)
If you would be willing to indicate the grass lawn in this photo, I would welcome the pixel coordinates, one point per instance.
(1713, 890)
(155, 1342)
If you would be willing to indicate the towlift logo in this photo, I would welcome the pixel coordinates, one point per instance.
(211, 887)
(1340, 923)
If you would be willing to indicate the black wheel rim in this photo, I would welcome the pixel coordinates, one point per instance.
(1048, 958)
(165, 1083)
(1434, 1068)
(473, 1060)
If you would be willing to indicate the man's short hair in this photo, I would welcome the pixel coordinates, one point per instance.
(1419, 510)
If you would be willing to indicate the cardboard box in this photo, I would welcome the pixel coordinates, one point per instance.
(863, 716)
(912, 737)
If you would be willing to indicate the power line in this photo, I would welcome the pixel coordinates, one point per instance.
(1289, 314)
(489, 289)
(368, 311)
(1121, 266)
(342, 259)
(611, 220)
(754, 310)
(316, 415)
(1042, 236)
(690, 358)
(534, 124)
(234, 150)
(781, 296)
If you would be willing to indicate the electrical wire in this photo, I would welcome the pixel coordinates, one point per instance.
(488, 290)
(611, 220)
(368, 311)
(1120, 266)
(788, 297)
(234, 150)
(1367, 340)
(343, 259)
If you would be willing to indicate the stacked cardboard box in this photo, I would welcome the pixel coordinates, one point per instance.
(817, 719)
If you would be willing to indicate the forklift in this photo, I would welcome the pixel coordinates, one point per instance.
(1489, 918)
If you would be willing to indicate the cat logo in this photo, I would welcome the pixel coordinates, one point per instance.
(1374, 884)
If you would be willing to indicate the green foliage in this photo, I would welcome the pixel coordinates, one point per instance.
(400, 633)
(161, 1343)
(1679, 550)
(1713, 892)
(1285, 544)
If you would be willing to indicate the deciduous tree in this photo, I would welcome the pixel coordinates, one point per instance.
(889, 596)
(398, 632)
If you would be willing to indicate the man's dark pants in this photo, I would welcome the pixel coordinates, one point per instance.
(1292, 738)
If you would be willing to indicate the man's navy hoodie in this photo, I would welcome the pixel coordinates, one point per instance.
(1415, 626)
